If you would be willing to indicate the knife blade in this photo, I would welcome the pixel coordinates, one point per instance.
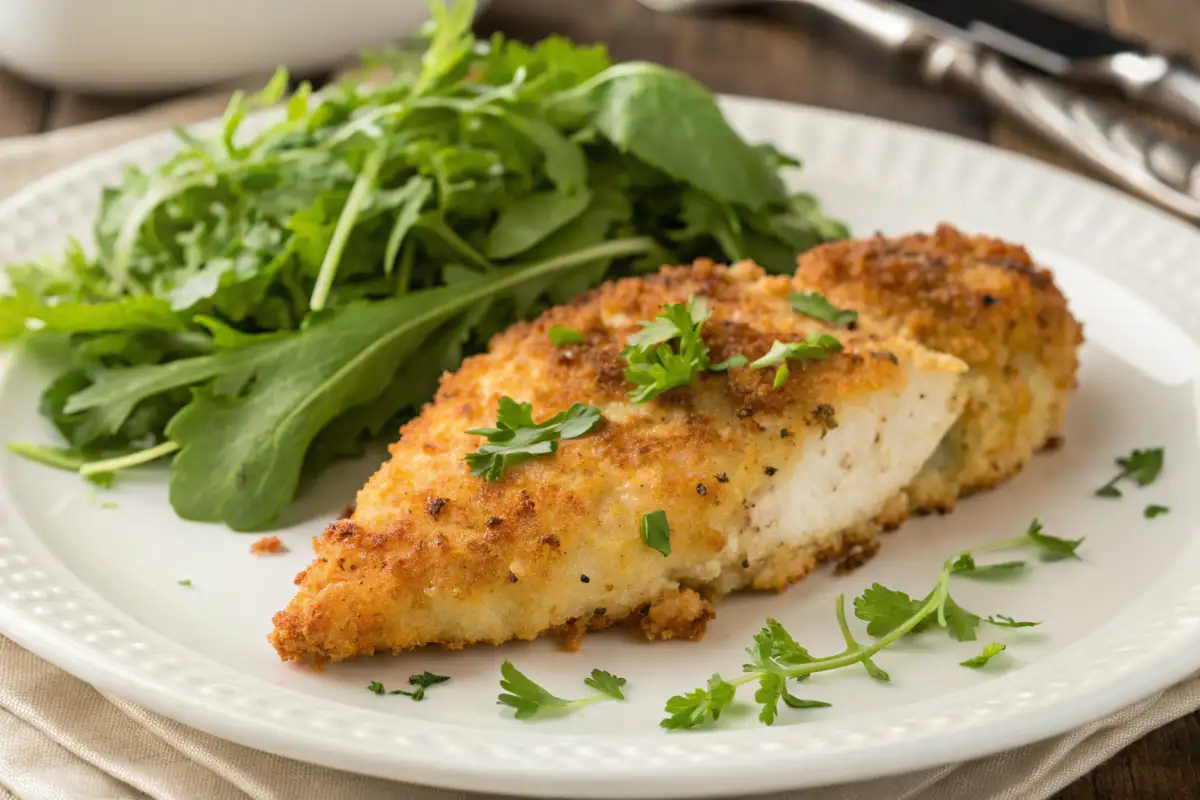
(1068, 50)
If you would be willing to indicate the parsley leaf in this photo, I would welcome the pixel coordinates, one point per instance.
(185, 582)
(517, 437)
(656, 533)
(1152, 511)
(885, 609)
(561, 336)
(1052, 547)
(1143, 466)
(1003, 621)
(422, 681)
(606, 683)
(965, 565)
(699, 706)
(529, 699)
(654, 366)
(733, 362)
(817, 347)
(989, 652)
(815, 305)
(960, 623)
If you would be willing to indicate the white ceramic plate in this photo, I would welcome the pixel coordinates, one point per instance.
(95, 590)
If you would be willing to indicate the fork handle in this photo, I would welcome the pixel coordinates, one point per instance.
(1163, 170)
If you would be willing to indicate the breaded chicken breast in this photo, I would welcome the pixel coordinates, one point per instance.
(758, 483)
(985, 302)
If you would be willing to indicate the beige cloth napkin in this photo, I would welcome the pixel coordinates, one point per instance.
(60, 738)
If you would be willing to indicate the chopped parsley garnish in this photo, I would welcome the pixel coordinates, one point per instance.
(989, 652)
(422, 682)
(656, 532)
(815, 305)
(530, 699)
(1142, 466)
(1052, 547)
(733, 362)
(776, 658)
(817, 347)
(561, 336)
(657, 362)
(517, 437)
(185, 582)
(965, 565)
(1152, 511)
(1004, 621)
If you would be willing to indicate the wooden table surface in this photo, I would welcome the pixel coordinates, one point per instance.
(774, 52)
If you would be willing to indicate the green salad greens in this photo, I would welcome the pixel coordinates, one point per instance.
(282, 291)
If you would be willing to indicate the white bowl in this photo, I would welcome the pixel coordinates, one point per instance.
(169, 45)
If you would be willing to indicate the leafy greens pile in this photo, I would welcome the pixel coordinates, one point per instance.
(275, 295)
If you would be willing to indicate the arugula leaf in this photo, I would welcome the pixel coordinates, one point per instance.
(517, 437)
(1002, 621)
(815, 305)
(244, 437)
(531, 219)
(219, 272)
(989, 652)
(656, 367)
(1052, 547)
(606, 683)
(639, 106)
(529, 699)
(1143, 466)
(656, 533)
(1152, 511)
(699, 706)
(561, 336)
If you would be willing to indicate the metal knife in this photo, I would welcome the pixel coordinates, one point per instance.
(1161, 169)
(1070, 51)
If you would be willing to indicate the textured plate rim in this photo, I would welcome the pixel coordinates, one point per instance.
(53, 614)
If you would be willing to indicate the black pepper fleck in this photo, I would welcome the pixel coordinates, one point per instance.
(435, 506)
(722, 478)
(988, 300)
(600, 612)
(493, 522)
(784, 433)
(511, 577)
(770, 471)
(745, 563)
(584, 579)
(644, 611)
(700, 490)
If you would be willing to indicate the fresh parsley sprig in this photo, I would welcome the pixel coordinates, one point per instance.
(517, 437)
(422, 681)
(667, 352)
(817, 306)
(776, 657)
(1141, 466)
(529, 699)
(817, 347)
(989, 652)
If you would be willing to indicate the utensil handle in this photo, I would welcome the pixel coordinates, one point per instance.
(1163, 170)
(1177, 92)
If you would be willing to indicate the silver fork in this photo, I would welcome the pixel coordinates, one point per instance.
(1163, 170)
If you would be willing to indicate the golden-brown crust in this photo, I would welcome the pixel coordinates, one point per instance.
(558, 537)
(984, 301)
